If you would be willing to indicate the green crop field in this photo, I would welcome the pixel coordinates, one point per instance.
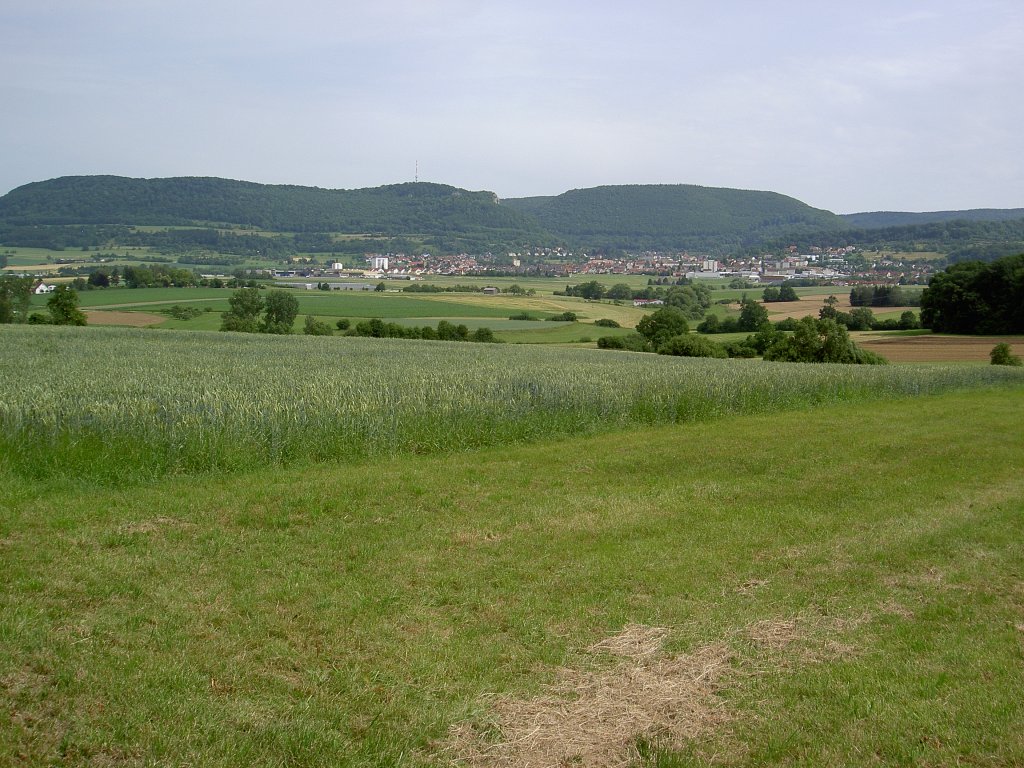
(243, 401)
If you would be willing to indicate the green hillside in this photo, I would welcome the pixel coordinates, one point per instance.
(673, 216)
(878, 219)
(101, 211)
(419, 208)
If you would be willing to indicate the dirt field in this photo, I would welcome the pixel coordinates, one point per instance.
(135, 319)
(936, 349)
(781, 310)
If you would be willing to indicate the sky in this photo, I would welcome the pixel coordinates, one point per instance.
(876, 105)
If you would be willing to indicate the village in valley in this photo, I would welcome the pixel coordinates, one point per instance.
(837, 266)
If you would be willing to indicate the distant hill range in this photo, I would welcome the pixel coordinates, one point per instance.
(880, 219)
(77, 209)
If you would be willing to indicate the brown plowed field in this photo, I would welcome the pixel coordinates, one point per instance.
(136, 319)
(810, 305)
(936, 349)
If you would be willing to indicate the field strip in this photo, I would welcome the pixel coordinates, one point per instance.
(154, 303)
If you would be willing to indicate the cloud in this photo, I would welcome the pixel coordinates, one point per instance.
(907, 105)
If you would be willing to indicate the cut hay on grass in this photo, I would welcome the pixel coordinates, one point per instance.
(595, 717)
(627, 691)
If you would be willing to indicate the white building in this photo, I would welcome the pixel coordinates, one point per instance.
(380, 263)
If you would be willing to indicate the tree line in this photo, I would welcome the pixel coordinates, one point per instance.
(976, 297)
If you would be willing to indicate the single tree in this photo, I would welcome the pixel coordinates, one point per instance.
(658, 327)
(15, 295)
(752, 314)
(619, 292)
(63, 306)
(829, 311)
(246, 305)
(280, 310)
(788, 293)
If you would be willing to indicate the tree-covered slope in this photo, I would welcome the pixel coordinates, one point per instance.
(881, 219)
(674, 216)
(432, 209)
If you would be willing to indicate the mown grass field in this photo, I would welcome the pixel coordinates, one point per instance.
(830, 586)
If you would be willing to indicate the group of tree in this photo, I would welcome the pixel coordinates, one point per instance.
(816, 340)
(444, 331)
(429, 288)
(863, 318)
(780, 293)
(592, 290)
(976, 297)
(813, 340)
(278, 308)
(16, 296)
(882, 296)
(752, 316)
(158, 276)
(692, 299)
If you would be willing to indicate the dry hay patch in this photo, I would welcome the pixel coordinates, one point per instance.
(594, 717)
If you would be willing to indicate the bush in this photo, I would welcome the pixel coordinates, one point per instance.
(565, 317)
(523, 316)
(692, 345)
(605, 322)
(483, 335)
(179, 312)
(744, 348)
(316, 327)
(632, 342)
(1001, 354)
(343, 324)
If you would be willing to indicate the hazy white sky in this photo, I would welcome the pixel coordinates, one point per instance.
(876, 105)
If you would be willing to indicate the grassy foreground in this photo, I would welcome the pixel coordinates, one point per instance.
(858, 568)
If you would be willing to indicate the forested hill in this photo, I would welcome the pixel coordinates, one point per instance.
(673, 216)
(881, 219)
(420, 208)
(77, 211)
